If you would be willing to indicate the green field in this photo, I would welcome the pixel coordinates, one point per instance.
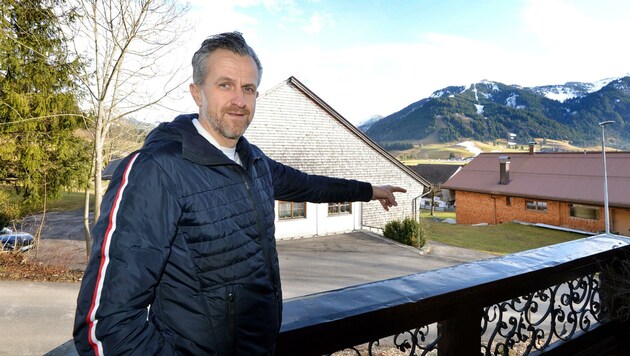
(497, 239)
(70, 201)
(66, 201)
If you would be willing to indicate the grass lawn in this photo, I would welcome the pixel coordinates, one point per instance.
(65, 202)
(70, 201)
(497, 239)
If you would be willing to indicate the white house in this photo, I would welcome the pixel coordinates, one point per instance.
(294, 126)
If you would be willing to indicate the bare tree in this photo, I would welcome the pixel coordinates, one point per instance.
(435, 190)
(124, 43)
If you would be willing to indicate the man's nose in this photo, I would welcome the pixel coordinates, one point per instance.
(238, 98)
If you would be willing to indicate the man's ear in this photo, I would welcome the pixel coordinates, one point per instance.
(195, 92)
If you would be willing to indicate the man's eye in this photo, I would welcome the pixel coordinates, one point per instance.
(249, 90)
(224, 85)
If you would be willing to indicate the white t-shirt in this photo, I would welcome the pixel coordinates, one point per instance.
(230, 152)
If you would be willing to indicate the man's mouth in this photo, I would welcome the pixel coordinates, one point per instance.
(238, 112)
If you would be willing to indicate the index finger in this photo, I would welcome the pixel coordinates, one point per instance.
(398, 189)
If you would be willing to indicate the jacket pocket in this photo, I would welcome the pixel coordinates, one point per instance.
(256, 319)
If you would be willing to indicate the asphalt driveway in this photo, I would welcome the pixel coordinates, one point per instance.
(317, 264)
(36, 318)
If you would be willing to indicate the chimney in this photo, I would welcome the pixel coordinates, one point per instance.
(531, 147)
(504, 169)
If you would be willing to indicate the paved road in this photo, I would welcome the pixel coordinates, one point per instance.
(35, 318)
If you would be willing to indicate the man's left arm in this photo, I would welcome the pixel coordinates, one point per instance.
(291, 184)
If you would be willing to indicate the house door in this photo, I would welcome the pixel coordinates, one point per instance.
(621, 221)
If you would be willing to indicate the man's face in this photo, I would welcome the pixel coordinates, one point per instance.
(227, 97)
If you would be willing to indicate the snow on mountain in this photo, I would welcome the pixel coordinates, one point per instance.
(493, 85)
(511, 100)
(366, 124)
(560, 94)
(570, 90)
(470, 147)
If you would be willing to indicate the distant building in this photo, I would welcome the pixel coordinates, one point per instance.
(437, 175)
(511, 140)
(110, 168)
(561, 189)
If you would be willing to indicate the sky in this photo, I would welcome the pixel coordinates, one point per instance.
(375, 57)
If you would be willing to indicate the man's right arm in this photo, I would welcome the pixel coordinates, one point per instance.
(131, 243)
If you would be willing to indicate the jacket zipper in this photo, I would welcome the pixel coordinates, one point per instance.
(261, 234)
(231, 317)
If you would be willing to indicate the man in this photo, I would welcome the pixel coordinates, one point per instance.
(184, 258)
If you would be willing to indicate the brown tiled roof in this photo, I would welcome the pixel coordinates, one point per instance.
(571, 177)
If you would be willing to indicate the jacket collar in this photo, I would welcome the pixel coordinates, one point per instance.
(196, 148)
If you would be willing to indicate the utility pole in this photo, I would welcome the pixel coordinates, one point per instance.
(603, 125)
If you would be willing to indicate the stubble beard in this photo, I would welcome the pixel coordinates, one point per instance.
(228, 128)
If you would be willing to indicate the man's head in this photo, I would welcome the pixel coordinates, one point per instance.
(231, 41)
(226, 74)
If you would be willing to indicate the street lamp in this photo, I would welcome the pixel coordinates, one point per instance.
(603, 124)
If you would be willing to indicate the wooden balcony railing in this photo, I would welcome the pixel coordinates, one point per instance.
(542, 301)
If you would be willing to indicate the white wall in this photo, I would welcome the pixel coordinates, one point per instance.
(317, 222)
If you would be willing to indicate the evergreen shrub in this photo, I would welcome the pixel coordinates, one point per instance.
(406, 231)
(9, 209)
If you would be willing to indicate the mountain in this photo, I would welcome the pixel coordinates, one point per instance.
(571, 89)
(365, 125)
(488, 110)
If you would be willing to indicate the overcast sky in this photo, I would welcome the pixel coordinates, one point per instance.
(374, 57)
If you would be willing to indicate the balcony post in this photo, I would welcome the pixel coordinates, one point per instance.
(461, 335)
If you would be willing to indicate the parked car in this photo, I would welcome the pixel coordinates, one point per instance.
(10, 240)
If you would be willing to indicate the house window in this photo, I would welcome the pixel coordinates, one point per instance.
(291, 210)
(584, 211)
(536, 205)
(508, 201)
(339, 208)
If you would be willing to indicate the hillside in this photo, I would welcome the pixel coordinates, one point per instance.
(488, 111)
(459, 153)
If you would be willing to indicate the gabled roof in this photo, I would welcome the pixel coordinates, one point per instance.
(294, 82)
(436, 173)
(108, 172)
(570, 177)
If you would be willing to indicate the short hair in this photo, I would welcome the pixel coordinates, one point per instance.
(232, 41)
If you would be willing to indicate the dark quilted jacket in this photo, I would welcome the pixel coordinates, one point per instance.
(189, 234)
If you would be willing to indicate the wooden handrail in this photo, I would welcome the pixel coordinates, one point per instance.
(327, 322)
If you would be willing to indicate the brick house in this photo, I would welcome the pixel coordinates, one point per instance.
(561, 189)
(294, 126)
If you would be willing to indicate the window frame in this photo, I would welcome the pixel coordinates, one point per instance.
(340, 208)
(584, 207)
(536, 205)
(293, 209)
